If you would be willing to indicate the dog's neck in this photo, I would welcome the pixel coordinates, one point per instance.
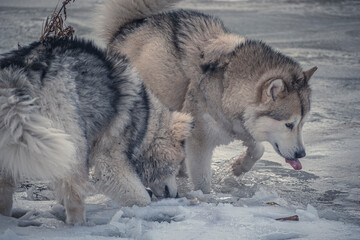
(158, 121)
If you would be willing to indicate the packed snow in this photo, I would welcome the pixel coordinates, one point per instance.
(325, 194)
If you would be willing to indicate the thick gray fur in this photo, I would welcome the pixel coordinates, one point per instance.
(65, 106)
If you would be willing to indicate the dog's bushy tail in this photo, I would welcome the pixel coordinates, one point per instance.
(29, 146)
(116, 13)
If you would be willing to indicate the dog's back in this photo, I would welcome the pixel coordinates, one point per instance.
(168, 48)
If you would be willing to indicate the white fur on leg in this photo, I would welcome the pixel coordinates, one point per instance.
(198, 164)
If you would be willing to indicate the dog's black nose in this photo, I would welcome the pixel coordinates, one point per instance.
(300, 154)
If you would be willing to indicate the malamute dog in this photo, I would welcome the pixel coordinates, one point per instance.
(235, 88)
(64, 106)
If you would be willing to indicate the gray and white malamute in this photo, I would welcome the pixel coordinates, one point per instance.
(65, 106)
(235, 88)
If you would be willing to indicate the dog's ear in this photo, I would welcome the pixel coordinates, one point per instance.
(309, 73)
(216, 52)
(181, 125)
(275, 88)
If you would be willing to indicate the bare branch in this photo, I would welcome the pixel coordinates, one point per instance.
(55, 24)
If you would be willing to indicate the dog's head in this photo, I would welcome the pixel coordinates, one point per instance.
(167, 151)
(282, 109)
(266, 92)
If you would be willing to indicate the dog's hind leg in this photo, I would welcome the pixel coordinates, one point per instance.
(70, 193)
(245, 162)
(7, 188)
(70, 190)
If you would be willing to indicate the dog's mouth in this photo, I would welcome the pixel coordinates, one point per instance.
(295, 163)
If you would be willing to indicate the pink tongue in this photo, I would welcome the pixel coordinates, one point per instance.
(296, 164)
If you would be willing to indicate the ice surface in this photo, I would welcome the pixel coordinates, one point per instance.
(325, 194)
(248, 218)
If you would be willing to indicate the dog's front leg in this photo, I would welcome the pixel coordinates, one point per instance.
(7, 188)
(198, 163)
(117, 179)
(245, 162)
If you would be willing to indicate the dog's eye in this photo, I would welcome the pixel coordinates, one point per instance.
(289, 125)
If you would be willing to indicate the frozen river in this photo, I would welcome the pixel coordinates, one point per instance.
(315, 33)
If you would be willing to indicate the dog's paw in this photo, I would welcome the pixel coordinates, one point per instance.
(75, 216)
(239, 167)
(75, 220)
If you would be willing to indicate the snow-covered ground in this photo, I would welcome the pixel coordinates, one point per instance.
(214, 216)
(325, 194)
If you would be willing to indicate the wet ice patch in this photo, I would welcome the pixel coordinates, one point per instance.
(134, 222)
(281, 236)
(310, 214)
(263, 195)
(162, 211)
